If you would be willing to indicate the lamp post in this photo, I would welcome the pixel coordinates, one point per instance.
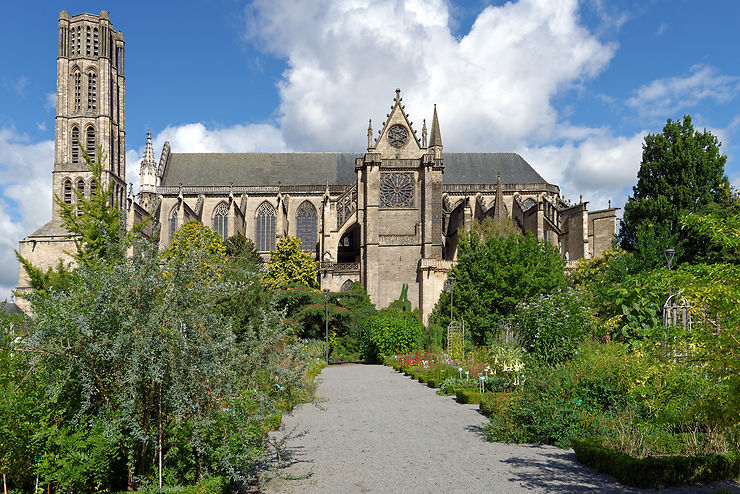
(326, 320)
(669, 253)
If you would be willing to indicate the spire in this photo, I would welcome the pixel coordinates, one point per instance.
(436, 138)
(499, 209)
(370, 134)
(424, 134)
(149, 151)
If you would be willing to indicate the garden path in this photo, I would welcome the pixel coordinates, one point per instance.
(379, 431)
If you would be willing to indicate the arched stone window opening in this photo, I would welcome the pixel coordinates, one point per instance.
(78, 38)
(306, 225)
(90, 143)
(93, 187)
(92, 90)
(265, 227)
(346, 286)
(87, 42)
(80, 185)
(173, 223)
(67, 191)
(348, 249)
(95, 42)
(528, 204)
(75, 144)
(221, 220)
(77, 80)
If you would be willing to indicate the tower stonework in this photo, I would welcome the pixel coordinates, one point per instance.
(90, 117)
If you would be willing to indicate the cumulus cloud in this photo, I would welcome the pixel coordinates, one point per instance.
(25, 196)
(666, 96)
(493, 86)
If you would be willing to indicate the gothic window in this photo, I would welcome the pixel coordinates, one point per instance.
(173, 223)
(265, 227)
(95, 42)
(306, 225)
(220, 220)
(87, 42)
(397, 190)
(346, 286)
(75, 144)
(93, 187)
(528, 204)
(81, 192)
(90, 143)
(78, 39)
(78, 89)
(92, 90)
(67, 191)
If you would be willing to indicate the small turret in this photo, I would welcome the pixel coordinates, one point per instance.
(435, 138)
(148, 169)
(499, 208)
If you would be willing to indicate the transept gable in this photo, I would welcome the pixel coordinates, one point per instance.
(397, 139)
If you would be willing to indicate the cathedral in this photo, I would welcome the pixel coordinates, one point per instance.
(388, 217)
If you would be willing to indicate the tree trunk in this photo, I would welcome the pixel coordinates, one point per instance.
(5, 486)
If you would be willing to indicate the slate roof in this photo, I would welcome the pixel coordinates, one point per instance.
(51, 229)
(265, 169)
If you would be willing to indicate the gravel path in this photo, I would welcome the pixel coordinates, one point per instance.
(379, 431)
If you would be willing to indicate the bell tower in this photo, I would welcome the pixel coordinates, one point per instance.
(90, 107)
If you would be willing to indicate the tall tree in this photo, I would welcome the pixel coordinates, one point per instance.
(682, 171)
(288, 264)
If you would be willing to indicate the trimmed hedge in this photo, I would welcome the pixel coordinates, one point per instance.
(656, 472)
(468, 395)
(496, 403)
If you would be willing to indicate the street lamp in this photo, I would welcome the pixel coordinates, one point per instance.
(669, 253)
(326, 319)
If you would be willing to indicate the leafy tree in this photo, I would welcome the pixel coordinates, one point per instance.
(682, 171)
(493, 275)
(195, 236)
(242, 248)
(59, 278)
(288, 264)
(391, 331)
(502, 227)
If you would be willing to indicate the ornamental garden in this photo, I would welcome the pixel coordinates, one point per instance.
(143, 370)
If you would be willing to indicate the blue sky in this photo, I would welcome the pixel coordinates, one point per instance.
(572, 86)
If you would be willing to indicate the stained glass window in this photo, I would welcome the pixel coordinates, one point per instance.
(220, 220)
(265, 227)
(397, 190)
(306, 225)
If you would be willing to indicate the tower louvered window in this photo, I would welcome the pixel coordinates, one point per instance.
(75, 145)
(67, 191)
(80, 193)
(220, 220)
(78, 90)
(92, 91)
(95, 42)
(78, 41)
(93, 187)
(90, 143)
(265, 227)
(306, 225)
(87, 42)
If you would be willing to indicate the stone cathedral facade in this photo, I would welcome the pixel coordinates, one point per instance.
(386, 217)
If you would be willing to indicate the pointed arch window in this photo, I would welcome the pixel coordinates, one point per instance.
(80, 185)
(87, 42)
(173, 223)
(90, 143)
(220, 220)
(78, 39)
(77, 79)
(92, 90)
(93, 187)
(265, 227)
(96, 43)
(306, 225)
(67, 191)
(75, 144)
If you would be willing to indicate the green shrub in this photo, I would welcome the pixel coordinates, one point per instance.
(551, 326)
(468, 395)
(390, 332)
(496, 403)
(656, 472)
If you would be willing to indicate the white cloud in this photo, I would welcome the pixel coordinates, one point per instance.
(666, 96)
(493, 86)
(601, 167)
(51, 101)
(25, 197)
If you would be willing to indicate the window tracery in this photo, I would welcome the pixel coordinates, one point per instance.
(220, 220)
(265, 227)
(397, 190)
(173, 223)
(306, 225)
